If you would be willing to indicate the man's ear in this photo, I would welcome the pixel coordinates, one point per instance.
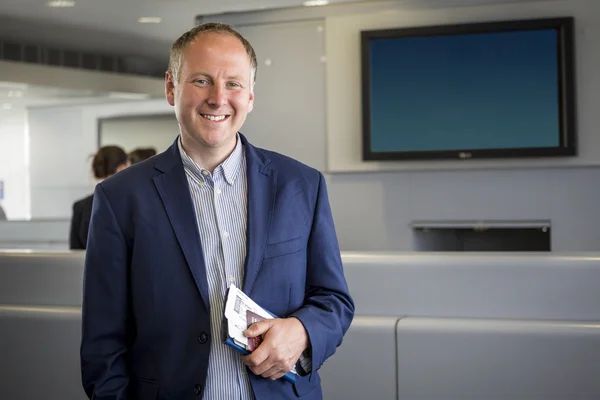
(169, 88)
(251, 99)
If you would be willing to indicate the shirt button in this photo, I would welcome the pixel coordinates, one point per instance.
(202, 338)
(232, 279)
(226, 234)
(218, 191)
(198, 390)
(204, 172)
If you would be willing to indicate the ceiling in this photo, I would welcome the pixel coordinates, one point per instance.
(111, 26)
(120, 16)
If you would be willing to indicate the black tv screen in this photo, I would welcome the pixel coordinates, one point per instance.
(497, 89)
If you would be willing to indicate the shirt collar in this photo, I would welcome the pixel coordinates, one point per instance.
(231, 166)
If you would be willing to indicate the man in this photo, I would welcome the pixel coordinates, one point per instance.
(169, 236)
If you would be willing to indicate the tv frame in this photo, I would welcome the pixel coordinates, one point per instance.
(566, 85)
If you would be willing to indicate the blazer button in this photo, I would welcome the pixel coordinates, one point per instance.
(202, 338)
(198, 390)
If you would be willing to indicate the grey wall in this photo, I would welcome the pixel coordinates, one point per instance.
(373, 210)
(295, 113)
(289, 106)
(46, 234)
(157, 131)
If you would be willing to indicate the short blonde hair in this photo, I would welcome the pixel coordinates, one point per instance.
(210, 27)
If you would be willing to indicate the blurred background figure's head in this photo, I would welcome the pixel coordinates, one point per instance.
(108, 161)
(140, 154)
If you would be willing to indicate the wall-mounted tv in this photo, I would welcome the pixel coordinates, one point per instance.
(482, 90)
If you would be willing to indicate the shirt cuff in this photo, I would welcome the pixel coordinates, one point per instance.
(304, 363)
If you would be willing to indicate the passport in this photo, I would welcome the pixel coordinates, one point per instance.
(251, 318)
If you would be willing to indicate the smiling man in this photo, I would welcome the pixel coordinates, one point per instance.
(211, 84)
(169, 235)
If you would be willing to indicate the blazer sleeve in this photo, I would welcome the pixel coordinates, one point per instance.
(74, 242)
(328, 307)
(107, 325)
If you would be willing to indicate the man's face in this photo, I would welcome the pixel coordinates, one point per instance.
(214, 93)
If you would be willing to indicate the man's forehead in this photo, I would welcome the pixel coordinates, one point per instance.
(233, 48)
(229, 58)
(204, 37)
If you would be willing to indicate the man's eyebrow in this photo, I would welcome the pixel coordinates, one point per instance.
(198, 74)
(235, 77)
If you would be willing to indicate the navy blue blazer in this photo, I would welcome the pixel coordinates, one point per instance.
(146, 325)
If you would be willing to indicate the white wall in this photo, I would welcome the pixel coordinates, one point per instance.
(342, 45)
(14, 163)
(62, 139)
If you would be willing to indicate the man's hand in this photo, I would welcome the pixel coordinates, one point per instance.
(284, 340)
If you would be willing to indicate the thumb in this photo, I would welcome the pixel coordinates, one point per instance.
(258, 328)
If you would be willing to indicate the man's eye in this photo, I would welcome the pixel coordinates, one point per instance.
(233, 84)
(201, 81)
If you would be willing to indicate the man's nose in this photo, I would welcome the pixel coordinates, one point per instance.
(217, 96)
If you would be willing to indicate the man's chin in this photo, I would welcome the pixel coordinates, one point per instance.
(216, 141)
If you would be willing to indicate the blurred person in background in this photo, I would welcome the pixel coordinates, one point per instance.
(140, 154)
(107, 161)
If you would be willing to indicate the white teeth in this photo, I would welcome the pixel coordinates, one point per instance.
(214, 117)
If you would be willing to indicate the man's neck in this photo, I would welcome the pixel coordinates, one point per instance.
(208, 158)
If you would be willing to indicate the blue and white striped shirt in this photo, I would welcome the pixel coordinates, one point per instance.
(220, 202)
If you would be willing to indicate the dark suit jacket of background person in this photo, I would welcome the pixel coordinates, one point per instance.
(146, 326)
(80, 223)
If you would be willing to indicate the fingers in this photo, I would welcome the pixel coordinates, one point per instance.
(258, 328)
(273, 373)
(257, 357)
(280, 348)
(272, 368)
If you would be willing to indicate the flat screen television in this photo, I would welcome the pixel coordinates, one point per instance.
(481, 90)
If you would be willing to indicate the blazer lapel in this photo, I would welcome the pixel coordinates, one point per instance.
(173, 189)
(262, 188)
